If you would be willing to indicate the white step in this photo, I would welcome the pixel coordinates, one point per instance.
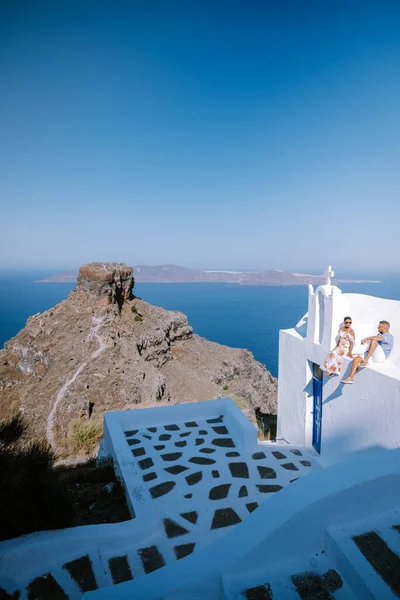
(365, 581)
(278, 576)
(63, 578)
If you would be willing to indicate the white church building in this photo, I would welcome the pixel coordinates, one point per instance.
(330, 419)
(217, 514)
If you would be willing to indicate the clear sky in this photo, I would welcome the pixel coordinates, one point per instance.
(219, 134)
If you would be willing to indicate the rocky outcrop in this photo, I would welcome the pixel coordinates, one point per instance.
(106, 283)
(105, 347)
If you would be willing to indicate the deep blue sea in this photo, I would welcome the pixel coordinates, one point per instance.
(240, 316)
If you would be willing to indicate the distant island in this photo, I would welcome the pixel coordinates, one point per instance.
(176, 274)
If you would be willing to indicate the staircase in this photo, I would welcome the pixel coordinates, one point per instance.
(347, 560)
(64, 565)
(368, 554)
(310, 579)
(89, 566)
(360, 560)
(334, 535)
(216, 529)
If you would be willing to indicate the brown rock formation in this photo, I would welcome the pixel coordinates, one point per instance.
(105, 347)
(106, 283)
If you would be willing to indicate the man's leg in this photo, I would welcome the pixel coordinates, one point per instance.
(372, 347)
(357, 360)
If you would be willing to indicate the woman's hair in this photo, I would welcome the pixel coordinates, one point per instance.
(347, 319)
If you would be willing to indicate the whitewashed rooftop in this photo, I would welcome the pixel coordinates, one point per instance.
(196, 470)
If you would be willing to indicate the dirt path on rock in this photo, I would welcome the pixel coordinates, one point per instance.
(97, 322)
(59, 397)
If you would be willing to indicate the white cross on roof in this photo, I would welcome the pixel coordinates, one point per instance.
(329, 274)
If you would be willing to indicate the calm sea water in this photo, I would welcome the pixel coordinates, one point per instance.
(240, 316)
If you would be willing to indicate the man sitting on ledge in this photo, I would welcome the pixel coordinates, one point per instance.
(380, 346)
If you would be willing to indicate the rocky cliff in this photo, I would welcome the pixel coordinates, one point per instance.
(106, 348)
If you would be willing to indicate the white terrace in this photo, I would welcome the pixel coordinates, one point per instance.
(192, 473)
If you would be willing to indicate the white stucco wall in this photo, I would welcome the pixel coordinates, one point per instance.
(354, 418)
(362, 416)
(292, 377)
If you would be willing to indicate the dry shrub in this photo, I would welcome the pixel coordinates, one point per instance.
(31, 495)
(84, 436)
(36, 495)
(91, 471)
(94, 503)
(11, 430)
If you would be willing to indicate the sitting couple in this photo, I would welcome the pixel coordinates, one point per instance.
(380, 347)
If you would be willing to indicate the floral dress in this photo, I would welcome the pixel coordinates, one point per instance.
(333, 362)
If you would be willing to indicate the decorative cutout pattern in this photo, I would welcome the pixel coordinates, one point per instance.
(81, 571)
(151, 559)
(46, 587)
(173, 529)
(120, 569)
(260, 592)
(183, 550)
(209, 485)
(223, 517)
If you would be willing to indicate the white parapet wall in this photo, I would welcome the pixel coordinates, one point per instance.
(293, 374)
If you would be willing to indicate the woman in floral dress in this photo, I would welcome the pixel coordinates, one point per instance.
(344, 348)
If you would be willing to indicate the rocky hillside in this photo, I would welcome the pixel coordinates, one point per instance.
(105, 347)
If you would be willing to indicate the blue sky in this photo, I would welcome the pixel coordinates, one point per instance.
(207, 134)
